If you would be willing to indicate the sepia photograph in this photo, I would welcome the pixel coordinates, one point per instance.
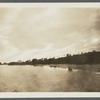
(50, 48)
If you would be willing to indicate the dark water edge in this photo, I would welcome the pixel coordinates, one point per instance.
(87, 67)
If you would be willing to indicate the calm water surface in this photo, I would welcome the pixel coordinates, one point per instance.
(43, 78)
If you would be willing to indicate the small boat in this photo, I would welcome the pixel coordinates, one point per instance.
(69, 69)
(53, 66)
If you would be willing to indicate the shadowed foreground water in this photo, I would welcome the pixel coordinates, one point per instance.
(48, 79)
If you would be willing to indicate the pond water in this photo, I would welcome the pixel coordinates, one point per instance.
(49, 78)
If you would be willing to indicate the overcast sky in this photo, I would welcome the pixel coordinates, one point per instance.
(27, 33)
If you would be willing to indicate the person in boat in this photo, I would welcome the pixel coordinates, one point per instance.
(69, 69)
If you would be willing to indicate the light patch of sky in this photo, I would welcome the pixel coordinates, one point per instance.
(95, 40)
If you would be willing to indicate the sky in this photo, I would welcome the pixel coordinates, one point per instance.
(27, 33)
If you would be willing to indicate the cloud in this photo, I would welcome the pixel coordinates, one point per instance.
(26, 33)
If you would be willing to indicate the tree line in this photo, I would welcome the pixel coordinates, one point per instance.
(83, 58)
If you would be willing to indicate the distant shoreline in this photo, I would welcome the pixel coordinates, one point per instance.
(48, 64)
(88, 58)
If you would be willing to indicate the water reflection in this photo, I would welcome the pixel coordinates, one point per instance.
(48, 67)
(48, 79)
